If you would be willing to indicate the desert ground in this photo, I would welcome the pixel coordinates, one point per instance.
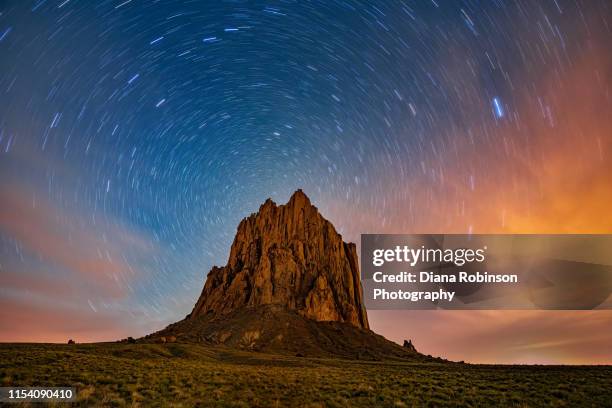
(185, 375)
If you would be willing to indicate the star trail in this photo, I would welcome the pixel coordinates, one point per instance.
(134, 136)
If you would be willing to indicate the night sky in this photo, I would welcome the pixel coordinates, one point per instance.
(134, 136)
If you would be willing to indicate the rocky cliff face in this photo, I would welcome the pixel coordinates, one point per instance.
(287, 255)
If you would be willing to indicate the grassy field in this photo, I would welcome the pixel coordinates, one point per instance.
(194, 375)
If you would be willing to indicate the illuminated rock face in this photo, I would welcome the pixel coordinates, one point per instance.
(288, 255)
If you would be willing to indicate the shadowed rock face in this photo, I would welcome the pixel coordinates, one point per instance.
(288, 255)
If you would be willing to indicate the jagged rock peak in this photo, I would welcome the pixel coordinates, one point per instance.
(298, 198)
(291, 256)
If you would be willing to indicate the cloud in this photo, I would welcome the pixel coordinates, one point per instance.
(507, 337)
(64, 276)
(548, 169)
(93, 254)
(34, 283)
(27, 320)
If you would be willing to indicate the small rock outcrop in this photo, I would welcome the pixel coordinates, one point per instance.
(408, 345)
(287, 255)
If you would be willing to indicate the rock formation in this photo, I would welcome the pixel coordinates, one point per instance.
(287, 255)
(291, 286)
(408, 344)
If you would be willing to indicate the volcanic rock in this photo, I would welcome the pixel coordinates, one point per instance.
(291, 286)
(408, 344)
(288, 255)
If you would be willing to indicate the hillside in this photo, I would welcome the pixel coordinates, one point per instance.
(274, 329)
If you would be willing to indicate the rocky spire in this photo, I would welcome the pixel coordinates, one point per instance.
(291, 256)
